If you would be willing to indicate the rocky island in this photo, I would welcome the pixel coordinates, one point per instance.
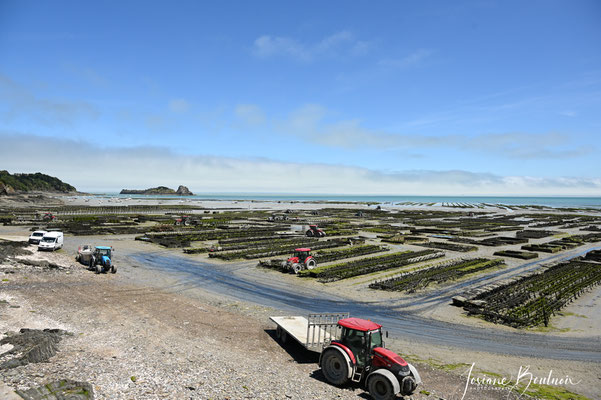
(160, 190)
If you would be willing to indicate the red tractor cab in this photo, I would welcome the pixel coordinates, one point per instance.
(302, 259)
(359, 356)
(314, 231)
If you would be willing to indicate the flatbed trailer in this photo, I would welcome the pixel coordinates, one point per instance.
(313, 332)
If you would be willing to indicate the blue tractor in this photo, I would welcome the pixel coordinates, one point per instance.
(101, 260)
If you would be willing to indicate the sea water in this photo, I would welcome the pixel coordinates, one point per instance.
(548, 201)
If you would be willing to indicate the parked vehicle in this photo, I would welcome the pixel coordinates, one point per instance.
(101, 260)
(314, 231)
(84, 254)
(183, 220)
(36, 237)
(51, 241)
(302, 259)
(49, 217)
(351, 350)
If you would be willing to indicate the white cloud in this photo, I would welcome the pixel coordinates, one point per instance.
(339, 42)
(250, 114)
(410, 60)
(310, 123)
(179, 106)
(114, 168)
(21, 103)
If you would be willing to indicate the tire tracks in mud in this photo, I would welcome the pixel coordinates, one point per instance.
(288, 298)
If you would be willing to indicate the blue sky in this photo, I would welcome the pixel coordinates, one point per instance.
(399, 97)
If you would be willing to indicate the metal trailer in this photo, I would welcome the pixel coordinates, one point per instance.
(313, 333)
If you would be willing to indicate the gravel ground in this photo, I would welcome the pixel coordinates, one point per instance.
(139, 342)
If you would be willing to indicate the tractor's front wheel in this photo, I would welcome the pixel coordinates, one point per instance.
(113, 269)
(334, 367)
(98, 268)
(380, 387)
(311, 264)
(296, 267)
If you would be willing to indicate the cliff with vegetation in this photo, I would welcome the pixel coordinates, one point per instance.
(38, 182)
(159, 190)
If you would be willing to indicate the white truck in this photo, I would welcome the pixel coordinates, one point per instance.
(51, 241)
(36, 237)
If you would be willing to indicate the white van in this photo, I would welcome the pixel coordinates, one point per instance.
(36, 237)
(51, 241)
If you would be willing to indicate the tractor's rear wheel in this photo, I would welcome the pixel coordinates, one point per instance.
(380, 387)
(310, 233)
(334, 367)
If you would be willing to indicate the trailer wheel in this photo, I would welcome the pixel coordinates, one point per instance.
(283, 337)
(380, 387)
(334, 367)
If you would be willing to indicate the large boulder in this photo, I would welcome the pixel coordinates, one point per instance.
(183, 191)
(6, 189)
(65, 389)
(30, 346)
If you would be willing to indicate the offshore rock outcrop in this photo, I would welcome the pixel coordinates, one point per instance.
(160, 190)
(183, 191)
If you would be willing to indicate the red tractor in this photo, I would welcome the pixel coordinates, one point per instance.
(302, 259)
(359, 356)
(314, 231)
(48, 217)
(184, 220)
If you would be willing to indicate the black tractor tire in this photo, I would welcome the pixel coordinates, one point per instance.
(296, 268)
(311, 264)
(98, 268)
(334, 367)
(408, 386)
(91, 264)
(380, 387)
(309, 233)
(113, 269)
